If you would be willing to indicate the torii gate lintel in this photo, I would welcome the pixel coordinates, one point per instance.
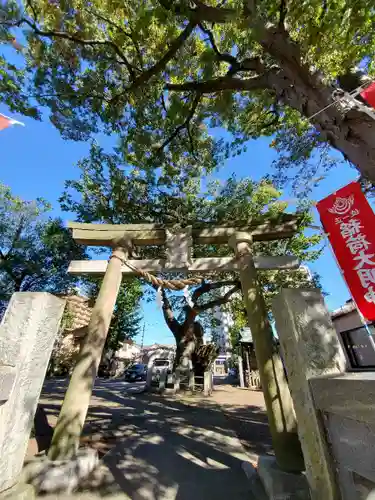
(178, 244)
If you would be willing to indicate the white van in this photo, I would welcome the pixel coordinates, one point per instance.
(160, 364)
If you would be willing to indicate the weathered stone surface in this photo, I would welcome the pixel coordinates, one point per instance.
(280, 411)
(20, 491)
(256, 485)
(31, 321)
(351, 395)
(207, 383)
(177, 381)
(348, 405)
(163, 379)
(48, 476)
(9, 350)
(310, 348)
(200, 265)
(280, 485)
(178, 246)
(150, 370)
(7, 380)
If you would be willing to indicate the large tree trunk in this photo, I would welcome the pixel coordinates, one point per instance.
(348, 129)
(192, 352)
(188, 340)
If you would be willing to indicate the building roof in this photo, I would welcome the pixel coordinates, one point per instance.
(78, 311)
(343, 310)
(158, 346)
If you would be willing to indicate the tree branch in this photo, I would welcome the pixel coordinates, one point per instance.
(220, 301)
(171, 321)
(221, 84)
(207, 287)
(248, 64)
(282, 13)
(222, 57)
(161, 64)
(201, 12)
(16, 236)
(32, 8)
(107, 20)
(249, 7)
(183, 125)
(120, 28)
(192, 148)
(213, 14)
(73, 38)
(323, 12)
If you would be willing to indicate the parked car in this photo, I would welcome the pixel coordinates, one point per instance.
(136, 372)
(160, 364)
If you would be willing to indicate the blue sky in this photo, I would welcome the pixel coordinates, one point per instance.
(35, 161)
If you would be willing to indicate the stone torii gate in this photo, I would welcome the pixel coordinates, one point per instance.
(123, 239)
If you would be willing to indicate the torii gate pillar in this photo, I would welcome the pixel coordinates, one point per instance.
(279, 404)
(73, 412)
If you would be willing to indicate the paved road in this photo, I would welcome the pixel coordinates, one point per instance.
(160, 448)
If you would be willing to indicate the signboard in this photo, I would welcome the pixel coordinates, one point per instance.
(349, 222)
(246, 335)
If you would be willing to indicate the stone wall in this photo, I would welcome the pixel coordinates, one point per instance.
(347, 406)
(310, 348)
(27, 334)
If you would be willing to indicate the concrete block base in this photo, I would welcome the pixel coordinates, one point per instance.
(49, 476)
(256, 486)
(19, 491)
(280, 485)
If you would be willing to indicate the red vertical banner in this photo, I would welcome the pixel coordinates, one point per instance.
(349, 222)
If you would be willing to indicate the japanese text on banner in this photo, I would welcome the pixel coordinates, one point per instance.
(349, 222)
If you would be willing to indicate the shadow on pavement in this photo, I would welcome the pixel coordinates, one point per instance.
(167, 448)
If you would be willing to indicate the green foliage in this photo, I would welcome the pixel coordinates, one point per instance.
(35, 251)
(136, 68)
(127, 317)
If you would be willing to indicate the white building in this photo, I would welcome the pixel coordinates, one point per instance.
(129, 351)
(157, 351)
(221, 335)
(221, 332)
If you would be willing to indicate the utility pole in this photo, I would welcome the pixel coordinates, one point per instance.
(143, 334)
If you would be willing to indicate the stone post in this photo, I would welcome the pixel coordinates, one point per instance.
(310, 348)
(177, 380)
(150, 371)
(240, 370)
(27, 335)
(279, 404)
(163, 380)
(72, 416)
(191, 379)
(207, 383)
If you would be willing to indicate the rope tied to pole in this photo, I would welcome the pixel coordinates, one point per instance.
(179, 284)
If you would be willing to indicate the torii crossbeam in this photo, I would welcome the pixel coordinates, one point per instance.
(179, 244)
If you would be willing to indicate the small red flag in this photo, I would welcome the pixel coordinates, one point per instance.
(368, 95)
(6, 122)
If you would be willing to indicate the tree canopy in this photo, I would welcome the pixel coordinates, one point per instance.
(35, 250)
(127, 317)
(163, 74)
